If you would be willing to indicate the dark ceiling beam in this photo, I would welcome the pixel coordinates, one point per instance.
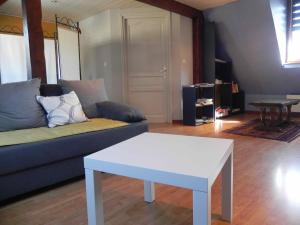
(2, 1)
(198, 70)
(175, 7)
(34, 39)
(197, 17)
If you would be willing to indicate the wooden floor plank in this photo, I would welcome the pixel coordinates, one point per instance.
(266, 189)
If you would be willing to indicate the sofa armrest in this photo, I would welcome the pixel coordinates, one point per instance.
(121, 112)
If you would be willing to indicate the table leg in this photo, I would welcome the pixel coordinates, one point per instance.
(149, 191)
(289, 110)
(94, 197)
(280, 118)
(201, 208)
(263, 112)
(227, 189)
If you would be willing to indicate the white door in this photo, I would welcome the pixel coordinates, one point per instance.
(146, 66)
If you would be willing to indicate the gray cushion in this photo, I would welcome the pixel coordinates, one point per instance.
(89, 93)
(117, 111)
(18, 106)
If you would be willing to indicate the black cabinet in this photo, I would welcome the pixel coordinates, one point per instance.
(198, 104)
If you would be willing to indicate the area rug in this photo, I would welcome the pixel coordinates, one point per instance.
(287, 133)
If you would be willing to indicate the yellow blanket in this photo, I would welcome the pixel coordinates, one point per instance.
(44, 133)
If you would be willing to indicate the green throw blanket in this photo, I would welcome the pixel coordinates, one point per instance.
(45, 133)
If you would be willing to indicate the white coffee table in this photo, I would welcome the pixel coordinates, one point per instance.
(182, 161)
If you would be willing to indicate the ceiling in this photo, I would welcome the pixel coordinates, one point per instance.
(81, 9)
(205, 4)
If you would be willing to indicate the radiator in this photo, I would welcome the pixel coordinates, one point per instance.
(295, 108)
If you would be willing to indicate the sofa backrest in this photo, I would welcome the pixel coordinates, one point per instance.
(51, 90)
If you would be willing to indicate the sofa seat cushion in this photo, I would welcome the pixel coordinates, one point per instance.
(44, 133)
(16, 158)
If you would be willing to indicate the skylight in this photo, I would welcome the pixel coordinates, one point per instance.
(293, 55)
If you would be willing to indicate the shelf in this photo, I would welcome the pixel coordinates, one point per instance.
(200, 105)
(201, 121)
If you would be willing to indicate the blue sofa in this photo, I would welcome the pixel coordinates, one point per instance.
(28, 167)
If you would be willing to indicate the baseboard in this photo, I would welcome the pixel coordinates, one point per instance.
(177, 121)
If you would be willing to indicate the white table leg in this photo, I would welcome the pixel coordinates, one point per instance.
(94, 197)
(149, 191)
(201, 208)
(227, 189)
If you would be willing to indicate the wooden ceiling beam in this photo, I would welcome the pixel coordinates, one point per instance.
(34, 39)
(175, 7)
(2, 1)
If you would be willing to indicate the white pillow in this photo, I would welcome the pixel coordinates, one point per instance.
(62, 109)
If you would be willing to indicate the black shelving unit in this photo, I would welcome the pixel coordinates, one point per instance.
(225, 98)
(218, 65)
(198, 104)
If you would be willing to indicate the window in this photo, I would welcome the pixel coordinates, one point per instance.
(293, 55)
(13, 63)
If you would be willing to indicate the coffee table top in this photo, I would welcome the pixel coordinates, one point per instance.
(166, 156)
(275, 102)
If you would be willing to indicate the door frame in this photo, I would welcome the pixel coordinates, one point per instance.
(134, 13)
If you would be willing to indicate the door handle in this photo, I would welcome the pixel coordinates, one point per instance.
(163, 70)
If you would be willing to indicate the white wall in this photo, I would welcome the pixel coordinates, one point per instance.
(95, 48)
(101, 43)
(182, 60)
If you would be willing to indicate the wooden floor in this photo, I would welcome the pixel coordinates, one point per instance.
(266, 190)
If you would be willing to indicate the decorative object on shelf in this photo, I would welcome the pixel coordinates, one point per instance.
(198, 104)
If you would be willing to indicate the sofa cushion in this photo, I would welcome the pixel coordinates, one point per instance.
(16, 158)
(18, 106)
(89, 93)
(61, 110)
(117, 111)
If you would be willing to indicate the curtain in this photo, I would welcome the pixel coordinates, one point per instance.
(13, 61)
(12, 58)
(49, 46)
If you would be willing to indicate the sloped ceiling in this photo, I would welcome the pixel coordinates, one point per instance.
(205, 4)
(75, 9)
(81, 9)
(246, 29)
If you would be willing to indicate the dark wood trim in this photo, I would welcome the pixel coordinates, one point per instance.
(78, 35)
(175, 7)
(177, 122)
(34, 39)
(197, 49)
